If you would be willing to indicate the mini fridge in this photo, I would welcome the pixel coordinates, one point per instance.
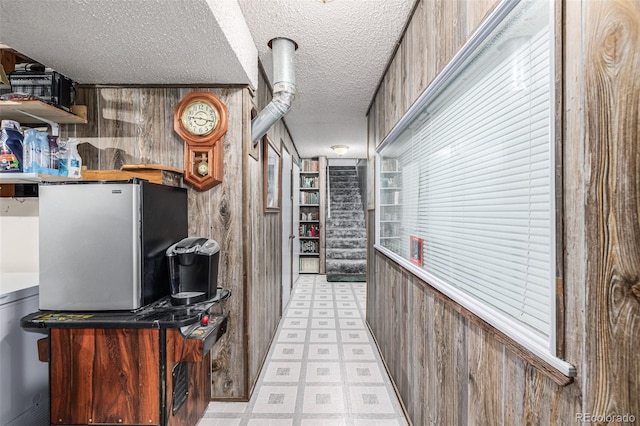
(103, 243)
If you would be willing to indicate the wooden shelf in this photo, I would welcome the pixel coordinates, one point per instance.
(30, 178)
(24, 112)
(152, 172)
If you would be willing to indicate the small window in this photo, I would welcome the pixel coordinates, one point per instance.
(467, 178)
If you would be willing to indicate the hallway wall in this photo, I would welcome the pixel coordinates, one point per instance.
(130, 125)
(450, 366)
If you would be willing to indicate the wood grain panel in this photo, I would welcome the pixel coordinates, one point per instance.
(135, 125)
(104, 376)
(417, 352)
(226, 219)
(455, 371)
(255, 266)
(486, 365)
(380, 113)
(601, 232)
(451, 367)
(199, 377)
(612, 162)
(568, 402)
(393, 93)
(263, 251)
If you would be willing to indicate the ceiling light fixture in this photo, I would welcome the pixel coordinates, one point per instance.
(340, 149)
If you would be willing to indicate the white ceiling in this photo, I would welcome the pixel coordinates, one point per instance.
(343, 49)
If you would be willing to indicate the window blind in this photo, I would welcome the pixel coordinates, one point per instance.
(474, 176)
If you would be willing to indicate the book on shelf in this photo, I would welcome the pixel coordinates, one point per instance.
(309, 247)
(309, 264)
(309, 198)
(308, 182)
(310, 215)
(310, 165)
(309, 230)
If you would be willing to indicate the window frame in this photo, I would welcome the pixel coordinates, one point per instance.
(549, 351)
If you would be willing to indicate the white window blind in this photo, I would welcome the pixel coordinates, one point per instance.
(471, 174)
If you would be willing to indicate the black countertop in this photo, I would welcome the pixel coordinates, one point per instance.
(160, 314)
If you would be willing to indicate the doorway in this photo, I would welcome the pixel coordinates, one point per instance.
(287, 228)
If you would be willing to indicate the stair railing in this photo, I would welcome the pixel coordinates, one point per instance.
(328, 194)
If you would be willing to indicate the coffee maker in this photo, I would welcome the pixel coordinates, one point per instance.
(193, 270)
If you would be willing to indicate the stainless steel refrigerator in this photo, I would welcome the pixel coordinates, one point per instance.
(102, 243)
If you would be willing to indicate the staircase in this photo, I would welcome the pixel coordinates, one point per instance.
(345, 233)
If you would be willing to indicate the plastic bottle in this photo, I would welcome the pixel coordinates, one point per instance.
(43, 152)
(53, 154)
(10, 146)
(63, 157)
(29, 151)
(75, 161)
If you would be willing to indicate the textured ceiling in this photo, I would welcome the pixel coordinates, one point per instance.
(133, 42)
(344, 46)
(343, 49)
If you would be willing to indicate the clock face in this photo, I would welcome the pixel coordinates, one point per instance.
(199, 118)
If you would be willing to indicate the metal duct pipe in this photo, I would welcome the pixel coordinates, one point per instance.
(284, 88)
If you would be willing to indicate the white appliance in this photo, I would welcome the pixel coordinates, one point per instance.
(24, 380)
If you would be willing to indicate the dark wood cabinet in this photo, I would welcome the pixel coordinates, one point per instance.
(108, 376)
(135, 371)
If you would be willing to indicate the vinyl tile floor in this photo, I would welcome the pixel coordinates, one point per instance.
(323, 368)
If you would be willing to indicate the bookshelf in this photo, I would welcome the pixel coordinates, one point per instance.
(390, 203)
(311, 229)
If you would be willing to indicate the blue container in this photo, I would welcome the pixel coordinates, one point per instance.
(10, 147)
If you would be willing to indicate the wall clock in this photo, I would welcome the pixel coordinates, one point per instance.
(200, 118)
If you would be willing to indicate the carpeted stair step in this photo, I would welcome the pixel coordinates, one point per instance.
(344, 214)
(346, 233)
(353, 253)
(333, 172)
(345, 207)
(341, 185)
(346, 239)
(346, 266)
(344, 243)
(340, 199)
(344, 191)
(345, 223)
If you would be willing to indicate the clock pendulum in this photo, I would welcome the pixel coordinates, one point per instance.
(203, 166)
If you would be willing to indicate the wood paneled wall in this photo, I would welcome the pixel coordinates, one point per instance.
(135, 125)
(449, 366)
(263, 246)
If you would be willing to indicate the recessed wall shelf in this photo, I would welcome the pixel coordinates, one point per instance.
(311, 231)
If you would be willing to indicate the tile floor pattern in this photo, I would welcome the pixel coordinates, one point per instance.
(323, 368)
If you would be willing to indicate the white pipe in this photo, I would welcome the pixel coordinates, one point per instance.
(284, 88)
